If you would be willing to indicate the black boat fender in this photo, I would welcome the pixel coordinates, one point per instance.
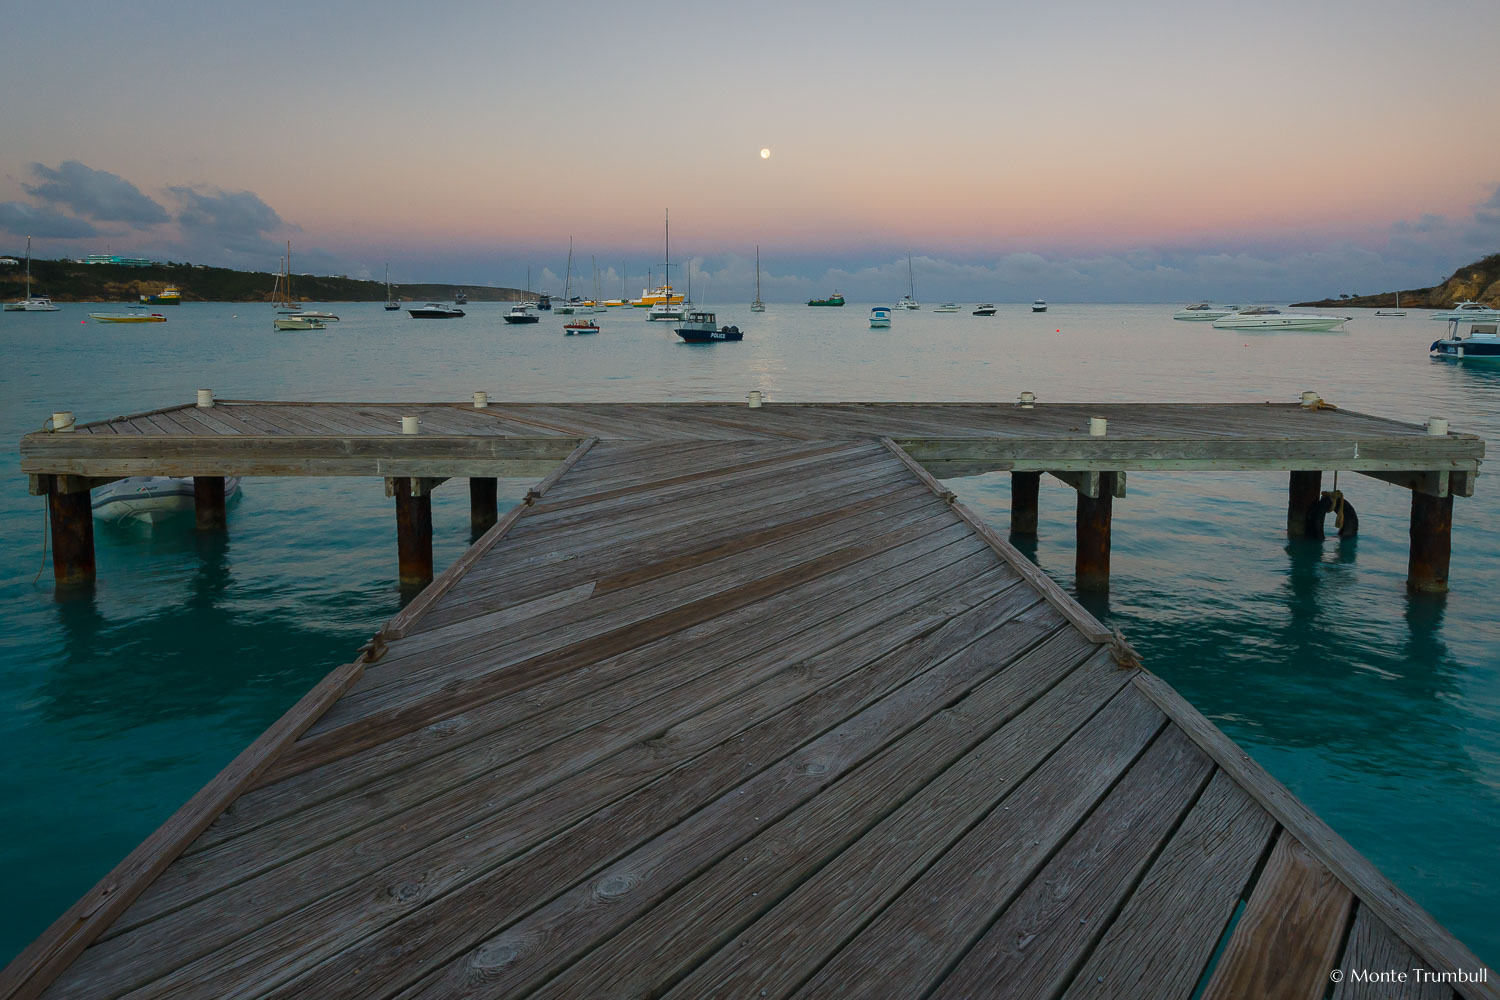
(1345, 518)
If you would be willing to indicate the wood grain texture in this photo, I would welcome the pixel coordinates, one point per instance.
(1288, 939)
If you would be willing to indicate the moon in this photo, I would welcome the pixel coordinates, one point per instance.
(765, 154)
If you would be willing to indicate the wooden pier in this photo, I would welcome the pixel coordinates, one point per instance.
(742, 703)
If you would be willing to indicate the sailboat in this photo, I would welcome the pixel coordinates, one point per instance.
(391, 305)
(757, 306)
(667, 306)
(282, 293)
(31, 303)
(1398, 311)
(910, 301)
(568, 305)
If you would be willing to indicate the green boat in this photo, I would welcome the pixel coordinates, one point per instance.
(833, 300)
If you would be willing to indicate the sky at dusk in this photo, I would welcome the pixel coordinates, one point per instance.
(1080, 150)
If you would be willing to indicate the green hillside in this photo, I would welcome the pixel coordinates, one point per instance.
(69, 281)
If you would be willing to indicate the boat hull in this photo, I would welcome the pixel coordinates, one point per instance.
(297, 323)
(576, 328)
(728, 333)
(984, 312)
(32, 305)
(149, 499)
(127, 318)
(1467, 350)
(834, 302)
(443, 314)
(522, 319)
(1285, 321)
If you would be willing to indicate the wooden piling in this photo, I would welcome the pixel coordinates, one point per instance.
(1303, 491)
(483, 508)
(1023, 503)
(1431, 543)
(413, 532)
(72, 537)
(1091, 567)
(208, 503)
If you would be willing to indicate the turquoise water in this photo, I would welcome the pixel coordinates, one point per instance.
(1380, 710)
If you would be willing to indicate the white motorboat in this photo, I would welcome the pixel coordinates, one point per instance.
(149, 499)
(1203, 312)
(1270, 318)
(436, 310)
(1039, 306)
(1466, 311)
(31, 303)
(880, 318)
(947, 307)
(985, 309)
(326, 317)
(666, 311)
(1482, 343)
(297, 323)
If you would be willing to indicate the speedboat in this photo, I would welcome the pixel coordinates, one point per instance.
(947, 307)
(1269, 318)
(703, 328)
(460, 299)
(1039, 306)
(135, 317)
(666, 311)
(1476, 311)
(520, 313)
(580, 326)
(149, 499)
(436, 310)
(1482, 343)
(833, 300)
(326, 317)
(1203, 312)
(880, 318)
(984, 309)
(297, 323)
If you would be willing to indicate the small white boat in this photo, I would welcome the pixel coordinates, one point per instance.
(947, 307)
(880, 318)
(1465, 311)
(149, 499)
(326, 317)
(984, 309)
(1269, 318)
(297, 323)
(1039, 306)
(1203, 312)
(1482, 343)
(1398, 311)
(436, 310)
(909, 300)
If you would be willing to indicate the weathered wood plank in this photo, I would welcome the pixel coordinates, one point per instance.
(1374, 948)
(1288, 938)
(1394, 908)
(956, 764)
(1158, 946)
(1038, 940)
(481, 850)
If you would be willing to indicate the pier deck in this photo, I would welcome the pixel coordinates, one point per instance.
(752, 715)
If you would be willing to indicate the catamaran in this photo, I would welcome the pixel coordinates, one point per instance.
(757, 306)
(31, 303)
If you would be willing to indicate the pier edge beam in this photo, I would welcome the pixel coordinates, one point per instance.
(1024, 487)
(1091, 565)
(72, 522)
(484, 509)
(208, 503)
(413, 531)
(1303, 491)
(1431, 543)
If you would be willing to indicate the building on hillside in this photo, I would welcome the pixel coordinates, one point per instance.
(110, 258)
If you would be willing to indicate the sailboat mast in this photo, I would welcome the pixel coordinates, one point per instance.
(666, 280)
(757, 272)
(28, 267)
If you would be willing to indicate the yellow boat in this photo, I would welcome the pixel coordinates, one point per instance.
(127, 317)
(169, 296)
(657, 296)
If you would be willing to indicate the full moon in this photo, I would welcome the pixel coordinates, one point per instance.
(765, 154)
